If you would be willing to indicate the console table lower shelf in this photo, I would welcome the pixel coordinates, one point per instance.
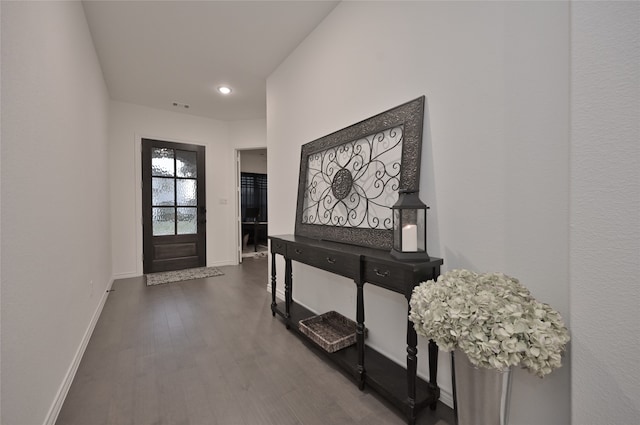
(382, 375)
(402, 387)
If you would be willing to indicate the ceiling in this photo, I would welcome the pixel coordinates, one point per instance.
(154, 53)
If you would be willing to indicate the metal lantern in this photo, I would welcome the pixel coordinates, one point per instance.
(409, 227)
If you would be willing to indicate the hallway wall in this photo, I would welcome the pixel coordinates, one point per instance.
(128, 124)
(56, 236)
(495, 151)
(605, 212)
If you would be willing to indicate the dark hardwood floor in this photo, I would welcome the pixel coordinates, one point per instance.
(207, 351)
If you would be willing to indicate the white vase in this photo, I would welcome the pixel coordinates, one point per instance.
(480, 396)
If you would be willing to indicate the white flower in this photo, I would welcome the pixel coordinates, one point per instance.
(492, 318)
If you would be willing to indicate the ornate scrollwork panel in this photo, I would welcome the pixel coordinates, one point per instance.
(354, 184)
(350, 179)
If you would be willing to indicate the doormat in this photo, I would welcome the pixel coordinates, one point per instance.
(180, 275)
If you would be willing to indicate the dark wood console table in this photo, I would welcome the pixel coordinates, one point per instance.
(400, 386)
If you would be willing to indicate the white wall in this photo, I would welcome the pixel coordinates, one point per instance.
(128, 124)
(605, 212)
(253, 161)
(495, 151)
(56, 257)
(250, 138)
(248, 134)
(0, 216)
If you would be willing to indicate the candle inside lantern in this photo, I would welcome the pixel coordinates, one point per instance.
(409, 238)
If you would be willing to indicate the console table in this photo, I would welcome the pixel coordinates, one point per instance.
(365, 365)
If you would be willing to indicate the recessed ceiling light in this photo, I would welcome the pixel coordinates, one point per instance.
(224, 89)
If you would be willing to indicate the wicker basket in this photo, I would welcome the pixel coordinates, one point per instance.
(331, 331)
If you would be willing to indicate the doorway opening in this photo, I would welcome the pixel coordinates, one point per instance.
(252, 203)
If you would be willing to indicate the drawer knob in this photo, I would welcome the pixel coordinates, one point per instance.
(381, 274)
(331, 260)
(298, 251)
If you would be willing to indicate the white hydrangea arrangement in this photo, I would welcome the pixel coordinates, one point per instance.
(492, 318)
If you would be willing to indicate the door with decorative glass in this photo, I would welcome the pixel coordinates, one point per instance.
(173, 206)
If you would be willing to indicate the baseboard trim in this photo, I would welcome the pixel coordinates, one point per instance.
(126, 275)
(279, 292)
(223, 263)
(63, 390)
(446, 397)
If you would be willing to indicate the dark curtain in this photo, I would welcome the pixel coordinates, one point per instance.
(253, 196)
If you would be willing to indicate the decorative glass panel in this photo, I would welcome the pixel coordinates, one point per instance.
(355, 183)
(187, 221)
(186, 192)
(186, 164)
(396, 230)
(422, 244)
(162, 191)
(164, 221)
(162, 163)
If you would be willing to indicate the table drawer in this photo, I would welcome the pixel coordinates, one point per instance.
(336, 262)
(278, 247)
(387, 276)
(299, 253)
(347, 265)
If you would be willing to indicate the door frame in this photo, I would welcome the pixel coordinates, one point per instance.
(238, 164)
(149, 241)
(137, 157)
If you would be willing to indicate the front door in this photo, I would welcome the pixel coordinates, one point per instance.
(173, 206)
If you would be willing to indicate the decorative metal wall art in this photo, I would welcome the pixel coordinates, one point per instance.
(349, 180)
(352, 184)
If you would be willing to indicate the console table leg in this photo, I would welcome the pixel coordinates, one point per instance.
(412, 366)
(273, 284)
(288, 283)
(360, 333)
(433, 361)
